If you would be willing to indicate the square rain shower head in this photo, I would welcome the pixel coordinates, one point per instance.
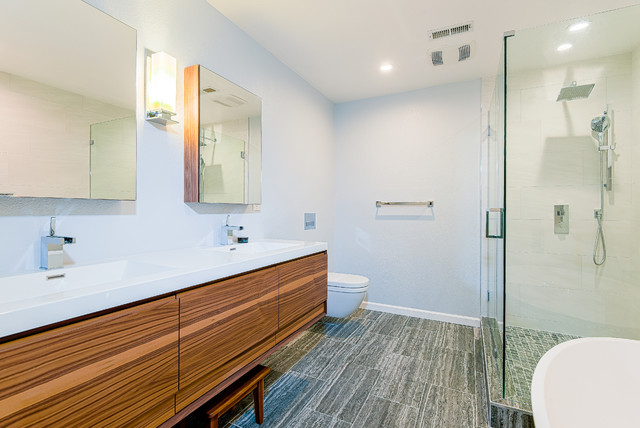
(574, 92)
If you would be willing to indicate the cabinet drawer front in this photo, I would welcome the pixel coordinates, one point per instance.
(220, 321)
(92, 373)
(303, 286)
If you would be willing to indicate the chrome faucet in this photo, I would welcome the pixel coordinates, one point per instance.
(51, 254)
(226, 237)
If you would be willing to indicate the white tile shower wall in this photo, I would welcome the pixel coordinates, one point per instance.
(297, 152)
(552, 283)
(416, 146)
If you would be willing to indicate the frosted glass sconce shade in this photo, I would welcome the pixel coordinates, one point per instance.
(161, 88)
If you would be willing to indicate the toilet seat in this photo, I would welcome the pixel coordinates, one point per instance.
(347, 283)
(345, 293)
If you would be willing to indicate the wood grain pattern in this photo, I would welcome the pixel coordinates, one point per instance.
(119, 369)
(298, 323)
(223, 327)
(191, 133)
(302, 287)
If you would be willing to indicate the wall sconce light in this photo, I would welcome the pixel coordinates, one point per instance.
(161, 88)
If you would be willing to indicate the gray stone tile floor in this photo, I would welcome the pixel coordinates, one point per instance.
(372, 369)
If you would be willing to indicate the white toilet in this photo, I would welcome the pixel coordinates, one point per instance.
(345, 293)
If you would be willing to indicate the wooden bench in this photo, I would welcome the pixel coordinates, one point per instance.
(252, 381)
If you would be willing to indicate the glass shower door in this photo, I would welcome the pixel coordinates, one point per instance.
(494, 225)
(572, 185)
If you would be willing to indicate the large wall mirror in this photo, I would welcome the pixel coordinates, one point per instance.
(223, 140)
(68, 101)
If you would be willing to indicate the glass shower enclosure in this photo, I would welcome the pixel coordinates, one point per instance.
(568, 262)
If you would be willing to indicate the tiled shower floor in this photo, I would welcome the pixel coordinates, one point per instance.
(525, 347)
(372, 369)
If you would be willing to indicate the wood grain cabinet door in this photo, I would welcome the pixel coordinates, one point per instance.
(119, 369)
(223, 327)
(302, 292)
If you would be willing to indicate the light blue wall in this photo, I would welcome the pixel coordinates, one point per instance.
(415, 146)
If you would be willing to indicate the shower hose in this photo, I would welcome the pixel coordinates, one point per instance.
(598, 215)
(599, 242)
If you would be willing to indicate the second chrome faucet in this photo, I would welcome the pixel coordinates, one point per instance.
(226, 237)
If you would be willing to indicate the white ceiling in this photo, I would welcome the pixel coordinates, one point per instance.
(338, 45)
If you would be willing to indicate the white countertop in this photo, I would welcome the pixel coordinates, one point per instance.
(44, 297)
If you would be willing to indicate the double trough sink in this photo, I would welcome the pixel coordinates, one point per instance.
(41, 298)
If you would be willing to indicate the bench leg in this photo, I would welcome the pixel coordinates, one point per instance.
(213, 422)
(258, 402)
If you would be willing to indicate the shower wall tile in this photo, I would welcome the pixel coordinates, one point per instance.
(560, 310)
(591, 165)
(527, 236)
(513, 203)
(537, 202)
(579, 241)
(635, 177)
(618, 91)
(512, 302)
(561, 162)
(619, 316)
(617, 238)
(538, 237)
(545, 270)
(616, 275)
(513, 100)
(524, 138)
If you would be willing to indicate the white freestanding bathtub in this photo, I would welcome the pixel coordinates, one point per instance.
(589, 382)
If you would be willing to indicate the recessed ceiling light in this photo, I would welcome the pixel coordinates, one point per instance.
(386, 67)
(579, 26)
(564, 47)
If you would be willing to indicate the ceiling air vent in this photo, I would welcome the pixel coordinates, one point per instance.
(464, 52)
(451, 30)
(436, 58)
(440, 33)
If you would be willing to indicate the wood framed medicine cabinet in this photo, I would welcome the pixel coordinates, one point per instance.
(222, 140)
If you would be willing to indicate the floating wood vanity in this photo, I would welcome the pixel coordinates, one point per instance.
(153, 362)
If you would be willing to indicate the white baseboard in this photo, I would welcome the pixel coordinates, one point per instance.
(421, 313)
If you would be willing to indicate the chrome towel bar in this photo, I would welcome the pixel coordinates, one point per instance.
(428, 204)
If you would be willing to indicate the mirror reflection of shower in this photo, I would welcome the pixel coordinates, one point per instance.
(600, 127)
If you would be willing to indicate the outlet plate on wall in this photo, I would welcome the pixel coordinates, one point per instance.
(309, 221)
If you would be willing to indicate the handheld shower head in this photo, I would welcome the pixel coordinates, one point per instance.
(600, 124)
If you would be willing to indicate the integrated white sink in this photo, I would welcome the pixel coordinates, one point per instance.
(257, 247)
(57, 282)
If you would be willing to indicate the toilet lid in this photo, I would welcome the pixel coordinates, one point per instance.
(346, 280)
